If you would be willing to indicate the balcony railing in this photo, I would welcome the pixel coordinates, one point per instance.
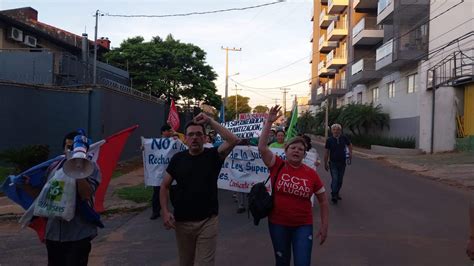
(321, 16)
(331, 27)
(382, 4)
(384, 51)
(366, 23)
(337, 6)
(358, 27)
(357, 67)
(321, 65)
(330, 56)
(320, 90)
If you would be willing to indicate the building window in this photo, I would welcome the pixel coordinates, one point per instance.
(359, 97)
(375, 94)
(411, 79)
(391, 89)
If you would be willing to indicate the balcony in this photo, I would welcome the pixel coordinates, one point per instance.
(363, 71)
(326, 46)
(336, 32)
(325, 19)
(323, 71)
(335, 61)
(409, 10)
(337, 6)
(393, 55)
(367, 32)
(336, 88)
(365, 6)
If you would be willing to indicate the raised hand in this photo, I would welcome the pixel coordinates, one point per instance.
(201, 118)
(273, 114)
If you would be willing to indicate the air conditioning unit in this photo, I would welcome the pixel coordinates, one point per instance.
(15, 34)
(30, 41)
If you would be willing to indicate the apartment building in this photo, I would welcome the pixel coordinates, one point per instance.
(329, 51)
(386, 43)
(402, 54)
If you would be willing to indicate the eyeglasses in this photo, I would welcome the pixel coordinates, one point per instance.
(197, 134)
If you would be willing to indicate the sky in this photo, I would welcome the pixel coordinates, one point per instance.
(275, 39)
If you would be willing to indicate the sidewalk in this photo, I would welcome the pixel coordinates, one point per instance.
(452, 168)
(11, 210)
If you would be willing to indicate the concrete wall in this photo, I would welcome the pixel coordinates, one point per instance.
(119, 111)
(34, 115)
(38, 115)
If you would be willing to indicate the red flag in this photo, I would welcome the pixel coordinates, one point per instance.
(109, 155)
(39, 225)
(173, 117)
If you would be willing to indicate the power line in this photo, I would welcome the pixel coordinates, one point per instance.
(394, 39)
(194, 13)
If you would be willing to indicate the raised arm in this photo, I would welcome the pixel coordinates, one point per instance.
(265, 152)
(230, 140)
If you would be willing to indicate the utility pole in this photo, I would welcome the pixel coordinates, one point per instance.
(236, 109)
(285, 91)
(326, 120)
(227, 49)
(94, 73)
(276, 100)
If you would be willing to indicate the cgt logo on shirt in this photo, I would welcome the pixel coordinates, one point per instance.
(294, 185)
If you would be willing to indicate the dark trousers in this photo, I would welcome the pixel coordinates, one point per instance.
(337, 173)
(286, 237)
(73, 253)
(155, 201)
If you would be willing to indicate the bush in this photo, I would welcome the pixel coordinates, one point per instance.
(366, 140)
(24, 158)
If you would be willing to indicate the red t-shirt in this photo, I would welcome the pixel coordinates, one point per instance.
(293, 190)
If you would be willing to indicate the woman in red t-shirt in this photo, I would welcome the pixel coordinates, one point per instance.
(291, 220)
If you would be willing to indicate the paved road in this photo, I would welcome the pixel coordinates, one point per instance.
(387, 217)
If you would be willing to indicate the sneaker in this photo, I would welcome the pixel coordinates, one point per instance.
(154, 216)
(334, 200)
(339, 197)
(241, 210)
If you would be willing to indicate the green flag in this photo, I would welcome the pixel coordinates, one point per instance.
(292, 131)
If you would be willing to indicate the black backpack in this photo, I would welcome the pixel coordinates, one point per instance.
(260, 201)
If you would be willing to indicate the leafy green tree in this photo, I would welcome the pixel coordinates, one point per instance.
(167, 68)
(260, 109)
(242, 106)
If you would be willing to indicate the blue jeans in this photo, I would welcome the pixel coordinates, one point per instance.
(337, 173)
(286, 237)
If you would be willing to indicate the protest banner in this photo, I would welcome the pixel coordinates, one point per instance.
(242, 169)
(245, 116)
(157, 153)
(245, 129)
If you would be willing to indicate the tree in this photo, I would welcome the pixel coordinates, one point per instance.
(167, 69)
(242, 106)
(261, 109)
(354, 118)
